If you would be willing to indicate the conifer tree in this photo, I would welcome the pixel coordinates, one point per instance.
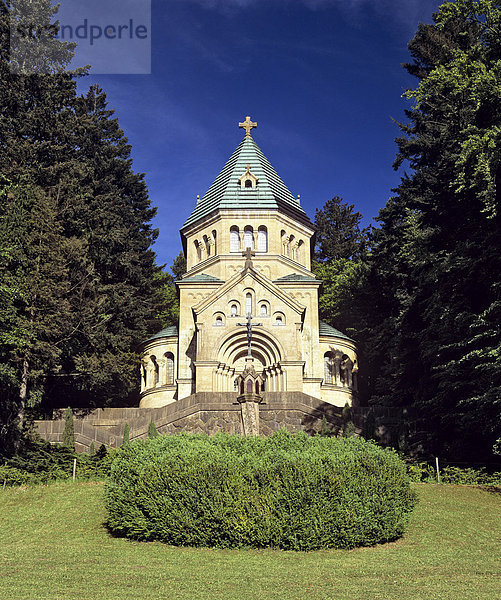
(152, 430)
(436, 259)
(338, 234)
(69, 429)
(125, 439)
(77, 270)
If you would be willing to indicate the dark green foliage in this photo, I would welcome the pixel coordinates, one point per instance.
(125, 439)
(431, 338)
(338, 233)
(92, 449)
(287, 491)
(168, 297)
(325, 430)
(424, 472)
(79, 283)
(347, 418)
(40, 462)
(152, 430)
(69, 429)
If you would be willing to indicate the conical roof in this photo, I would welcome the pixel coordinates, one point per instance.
(227, 193)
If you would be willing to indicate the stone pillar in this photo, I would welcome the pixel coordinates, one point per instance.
(294, 373)
(149, 366)
(250, 417)
(162, 373)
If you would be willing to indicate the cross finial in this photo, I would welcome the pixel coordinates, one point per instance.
(247, 125)
(248, 257)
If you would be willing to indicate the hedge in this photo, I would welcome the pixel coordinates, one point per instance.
(286, 491)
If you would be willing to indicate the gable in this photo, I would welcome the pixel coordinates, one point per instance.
(249, 278)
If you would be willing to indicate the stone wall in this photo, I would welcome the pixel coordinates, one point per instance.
(204, 412)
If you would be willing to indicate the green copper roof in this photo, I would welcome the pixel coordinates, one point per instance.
(226, 192)
(296, 277)
(167, 332)
(201, 277)
(324, 329)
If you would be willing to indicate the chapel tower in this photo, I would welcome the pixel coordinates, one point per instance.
(248, 249)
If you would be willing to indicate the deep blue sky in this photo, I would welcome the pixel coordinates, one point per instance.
(322, 78)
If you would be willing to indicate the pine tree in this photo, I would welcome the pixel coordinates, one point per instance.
(77, 270)
(338, 233)
(113, 222)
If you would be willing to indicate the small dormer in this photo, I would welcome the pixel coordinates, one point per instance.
(248, 179)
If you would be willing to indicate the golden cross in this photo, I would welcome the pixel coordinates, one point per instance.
(247, 125)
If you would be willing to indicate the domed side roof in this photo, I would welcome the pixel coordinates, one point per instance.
(325, 329)
(167, 332)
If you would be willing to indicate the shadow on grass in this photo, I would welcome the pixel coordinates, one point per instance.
(492, 489)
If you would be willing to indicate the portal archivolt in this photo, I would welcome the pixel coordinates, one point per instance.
(266, 351)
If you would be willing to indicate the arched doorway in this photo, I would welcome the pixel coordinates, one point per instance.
(267, 353)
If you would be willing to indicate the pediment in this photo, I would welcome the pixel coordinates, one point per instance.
(248, 276)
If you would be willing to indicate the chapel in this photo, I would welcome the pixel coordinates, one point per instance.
(249, 300)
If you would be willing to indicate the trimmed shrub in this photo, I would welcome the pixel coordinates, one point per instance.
(287, 491)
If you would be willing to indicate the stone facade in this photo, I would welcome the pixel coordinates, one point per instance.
(248, 246)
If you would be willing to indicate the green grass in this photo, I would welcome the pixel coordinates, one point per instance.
(53, 546)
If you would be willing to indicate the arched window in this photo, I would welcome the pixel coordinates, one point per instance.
(279, 319)
(156, 371)
(207, 245)
(328, 367)
(214, 238)
(262, 239)
(234, 310)
(198, 250)
(169, 368)
(219, 321)
(249, 386)
(300, 251)
(234, 239)
(248, 238)
(248, 303)
(284, 241)
(263, 310)
(248, 183)
(290, 246)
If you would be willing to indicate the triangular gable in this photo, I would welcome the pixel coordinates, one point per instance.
(260, 278)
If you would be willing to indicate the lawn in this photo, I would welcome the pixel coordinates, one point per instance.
(53, 546)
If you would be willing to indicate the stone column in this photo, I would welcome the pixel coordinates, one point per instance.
(162, 374)
(250, 418)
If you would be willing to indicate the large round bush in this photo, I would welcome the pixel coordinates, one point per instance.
(286, 491)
